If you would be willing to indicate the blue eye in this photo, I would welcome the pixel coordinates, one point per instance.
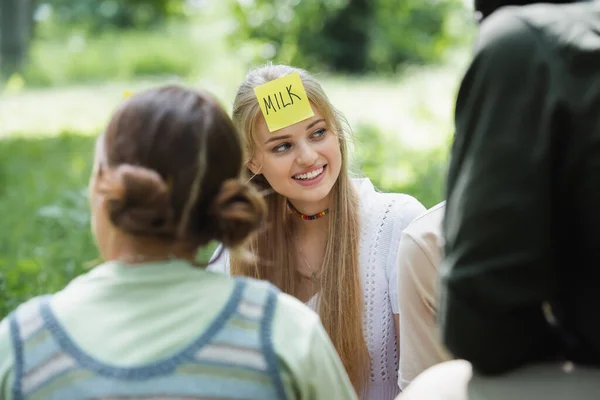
(319, 133)
(281, 148)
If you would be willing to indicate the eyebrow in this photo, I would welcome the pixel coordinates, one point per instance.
(275, 138)
(314, 123)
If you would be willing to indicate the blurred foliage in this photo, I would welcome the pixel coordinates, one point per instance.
(353, 36)
(414, 32)
(45, 236)
(81, 57)
(46, 240)
(89, 40)
(394, 167)
(122, 14)
(28, 20)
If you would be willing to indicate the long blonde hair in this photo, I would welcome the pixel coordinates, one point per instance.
(340, 300)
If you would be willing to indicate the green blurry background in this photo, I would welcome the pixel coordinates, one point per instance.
(391, 66)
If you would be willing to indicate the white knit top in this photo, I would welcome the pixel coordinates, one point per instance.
(383, 217)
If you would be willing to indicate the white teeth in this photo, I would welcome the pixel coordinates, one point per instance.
(310, 175)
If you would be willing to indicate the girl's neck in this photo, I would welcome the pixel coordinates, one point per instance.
(309, 223)
(309, 227)
(313, 207)
(131, 250)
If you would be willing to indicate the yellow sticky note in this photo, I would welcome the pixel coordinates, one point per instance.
(283, 101)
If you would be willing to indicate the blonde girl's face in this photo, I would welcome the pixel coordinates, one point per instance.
(301, 162)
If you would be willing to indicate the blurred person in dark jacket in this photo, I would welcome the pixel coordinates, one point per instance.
(518, 305)
(522, 240)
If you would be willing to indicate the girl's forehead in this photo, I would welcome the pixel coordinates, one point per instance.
(263, 135)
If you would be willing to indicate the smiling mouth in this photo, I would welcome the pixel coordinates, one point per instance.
(310, 175)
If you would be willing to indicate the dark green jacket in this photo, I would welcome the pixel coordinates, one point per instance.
(522, 224)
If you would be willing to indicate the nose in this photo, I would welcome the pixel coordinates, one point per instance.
(307, 156)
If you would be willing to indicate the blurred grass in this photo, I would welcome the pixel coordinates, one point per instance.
(45, 237)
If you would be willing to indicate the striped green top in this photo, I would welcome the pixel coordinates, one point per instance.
(197, 335)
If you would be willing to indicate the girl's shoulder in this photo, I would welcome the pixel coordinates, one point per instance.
(399, 209)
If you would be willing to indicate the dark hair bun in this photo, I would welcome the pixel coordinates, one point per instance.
(138, 200)
(239, 211)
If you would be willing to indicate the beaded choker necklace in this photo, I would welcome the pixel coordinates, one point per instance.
(307, 217)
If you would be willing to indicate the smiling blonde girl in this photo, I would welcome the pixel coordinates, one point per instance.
(330, 240)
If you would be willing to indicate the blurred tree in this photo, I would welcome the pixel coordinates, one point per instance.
(292, 31)
(17, 21)
(15, 33)
(353, 36)
(411, 31)
(347, 32)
